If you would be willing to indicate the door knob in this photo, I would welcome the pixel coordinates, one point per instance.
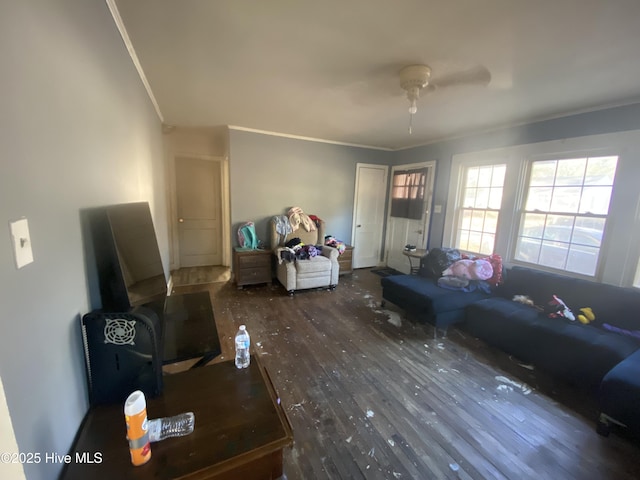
(181, 220)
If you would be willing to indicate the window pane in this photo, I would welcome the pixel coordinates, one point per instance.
(559, 227)
(543, 173)
(477, 220)
(533, 225)
(469, 198)
(583, 259)
(484, 176)
(475, 239)
(571, 172)
(528, 250)
(595, 200)
(497, 180)
(486, 246)
(472, 177)
(463, 241)
(554, 254)
(491, 222)
(465, 219)
(601, 171)
(495, 198)
(565, 199)
(482, 198)
(588, 231)
(539, 198)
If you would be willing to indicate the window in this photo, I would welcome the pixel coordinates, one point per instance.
(480, 200)
(407, 199)
(565, 212)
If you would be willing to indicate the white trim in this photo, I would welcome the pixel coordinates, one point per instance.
(113, 8)
(309, 139)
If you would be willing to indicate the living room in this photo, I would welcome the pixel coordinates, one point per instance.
(79, 131)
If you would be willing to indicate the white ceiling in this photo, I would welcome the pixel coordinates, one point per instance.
(327, 69)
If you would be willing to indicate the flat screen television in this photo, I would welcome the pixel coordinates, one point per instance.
(129, 265)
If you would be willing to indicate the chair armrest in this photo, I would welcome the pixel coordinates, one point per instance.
(330, 252)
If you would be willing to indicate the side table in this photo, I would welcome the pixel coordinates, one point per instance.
(415, 255)
(345, 260)
(251, 266)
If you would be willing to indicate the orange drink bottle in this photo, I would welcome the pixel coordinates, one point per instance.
(135, 414)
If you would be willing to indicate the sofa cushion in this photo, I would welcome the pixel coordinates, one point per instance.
(619, 394)
(611, 304)
(313, 265)
(581, 354)
(422, 296)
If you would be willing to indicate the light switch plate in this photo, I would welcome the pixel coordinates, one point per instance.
(21, 242)
(437, 209)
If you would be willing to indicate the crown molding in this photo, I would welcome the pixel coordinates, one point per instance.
(113, 8)
(308, 139)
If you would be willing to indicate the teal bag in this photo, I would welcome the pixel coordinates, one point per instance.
(247, 237)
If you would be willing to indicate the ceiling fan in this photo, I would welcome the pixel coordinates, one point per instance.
(415, 78)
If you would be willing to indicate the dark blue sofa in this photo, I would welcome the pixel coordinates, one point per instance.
(590, 356)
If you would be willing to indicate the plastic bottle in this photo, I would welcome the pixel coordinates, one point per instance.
(167, 427)
(135, 415)
(242, 347)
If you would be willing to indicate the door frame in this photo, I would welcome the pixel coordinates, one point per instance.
(431, 165)
(225, 202)
(386, 201)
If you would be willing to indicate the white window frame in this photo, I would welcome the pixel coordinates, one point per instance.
(460, 164)
(619, 261)
(522, 211)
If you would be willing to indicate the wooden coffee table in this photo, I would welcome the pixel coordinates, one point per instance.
(240, 430)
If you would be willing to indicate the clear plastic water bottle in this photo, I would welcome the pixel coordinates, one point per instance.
(167, 427)
(242, 347)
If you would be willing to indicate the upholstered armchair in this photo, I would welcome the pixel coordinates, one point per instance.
(295, 274)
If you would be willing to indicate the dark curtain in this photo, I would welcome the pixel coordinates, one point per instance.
(407, 199)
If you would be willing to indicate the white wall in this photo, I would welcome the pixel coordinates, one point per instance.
(77, 130)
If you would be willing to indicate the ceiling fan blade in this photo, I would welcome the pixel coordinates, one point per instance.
(478, 75)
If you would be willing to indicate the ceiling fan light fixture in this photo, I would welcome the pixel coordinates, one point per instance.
(414, 78)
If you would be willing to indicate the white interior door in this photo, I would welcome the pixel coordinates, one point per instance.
(368, 214)
(198, 195)
(403, 231)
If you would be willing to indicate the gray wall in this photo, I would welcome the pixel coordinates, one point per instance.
(77, 130)
(610, 120)
(270, 174)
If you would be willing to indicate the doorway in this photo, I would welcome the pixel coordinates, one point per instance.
(368, 214)
(411, 192)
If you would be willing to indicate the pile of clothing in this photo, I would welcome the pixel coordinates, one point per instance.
(339, 245)
(293, 220)
(294, 249)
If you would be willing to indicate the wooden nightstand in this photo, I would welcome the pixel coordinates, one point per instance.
(251, 266)
(346, 260)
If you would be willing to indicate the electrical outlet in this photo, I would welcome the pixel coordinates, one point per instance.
(21, 242)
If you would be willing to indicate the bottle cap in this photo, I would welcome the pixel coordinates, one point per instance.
(243, 327)
(135, 403)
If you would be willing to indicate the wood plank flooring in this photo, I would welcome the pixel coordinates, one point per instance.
(369, 399)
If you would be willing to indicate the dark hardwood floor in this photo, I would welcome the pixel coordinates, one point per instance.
(371, 399)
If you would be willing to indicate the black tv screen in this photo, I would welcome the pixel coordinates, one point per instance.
(130, 270)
